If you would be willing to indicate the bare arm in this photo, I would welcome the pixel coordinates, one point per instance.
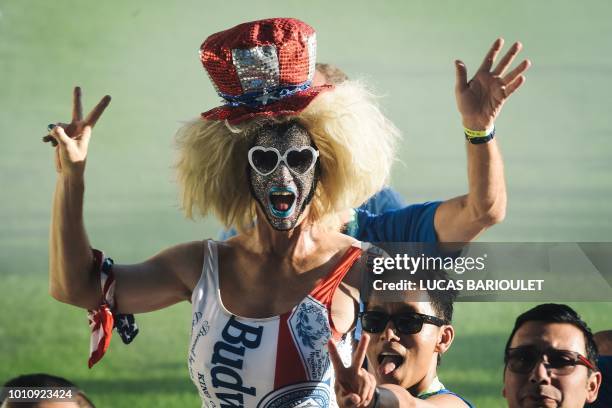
(162, 280)
(72, 278)
(463, 218)
(71, 275)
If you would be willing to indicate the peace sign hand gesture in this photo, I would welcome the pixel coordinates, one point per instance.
(354, 385)
(71, 140)
(480, 100)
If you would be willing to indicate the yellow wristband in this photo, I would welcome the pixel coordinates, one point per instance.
(470, 134)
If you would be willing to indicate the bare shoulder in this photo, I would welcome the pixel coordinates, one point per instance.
(186, 260)
(162, 280)
(339, 243)
(189, 249)
(363, 266)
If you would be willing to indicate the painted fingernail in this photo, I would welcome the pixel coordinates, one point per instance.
(48, 138)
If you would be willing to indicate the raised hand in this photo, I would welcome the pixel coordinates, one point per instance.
(354, 385)
(480, 100)
(72, 139)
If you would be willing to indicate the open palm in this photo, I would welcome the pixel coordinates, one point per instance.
(480, 100)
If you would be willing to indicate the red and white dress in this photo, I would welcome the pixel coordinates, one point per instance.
(280, 361)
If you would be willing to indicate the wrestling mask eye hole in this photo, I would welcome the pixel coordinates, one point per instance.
(300, 161)
(264, 161)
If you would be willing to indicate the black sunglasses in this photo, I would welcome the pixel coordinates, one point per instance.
(405, 323)
(524, 359)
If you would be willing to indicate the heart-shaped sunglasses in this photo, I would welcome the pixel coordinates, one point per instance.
(299, 160)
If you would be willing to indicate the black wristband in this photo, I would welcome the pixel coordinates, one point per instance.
(480, 140)
(376, 398)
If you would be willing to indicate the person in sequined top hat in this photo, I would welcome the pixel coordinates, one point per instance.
(291, 156)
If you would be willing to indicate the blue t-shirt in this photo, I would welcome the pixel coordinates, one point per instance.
(385, 200)
(414, 223)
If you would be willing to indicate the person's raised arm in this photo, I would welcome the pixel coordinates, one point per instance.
(71, 276)
(479, 101)
(160, 281)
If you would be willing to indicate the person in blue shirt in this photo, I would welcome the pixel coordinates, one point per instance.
(459, 219)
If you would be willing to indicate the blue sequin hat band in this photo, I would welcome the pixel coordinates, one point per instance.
(259, 99)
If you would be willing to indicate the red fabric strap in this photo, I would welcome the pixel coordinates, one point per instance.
(101, 320)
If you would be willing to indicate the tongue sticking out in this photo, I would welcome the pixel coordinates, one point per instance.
(388, 364)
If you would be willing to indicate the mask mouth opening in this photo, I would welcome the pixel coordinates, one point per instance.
(282, 201)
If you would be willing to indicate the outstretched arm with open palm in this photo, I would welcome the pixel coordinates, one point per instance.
(480, 101)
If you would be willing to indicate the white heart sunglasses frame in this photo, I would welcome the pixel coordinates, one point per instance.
(283, 158)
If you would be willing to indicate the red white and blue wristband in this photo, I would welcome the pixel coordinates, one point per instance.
(103, 319)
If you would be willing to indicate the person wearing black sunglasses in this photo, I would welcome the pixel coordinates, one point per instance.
(550, 360)
(404, 336)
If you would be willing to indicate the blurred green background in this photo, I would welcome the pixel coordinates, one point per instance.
(555, 135)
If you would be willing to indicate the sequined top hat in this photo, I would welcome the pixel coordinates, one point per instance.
(263, 68)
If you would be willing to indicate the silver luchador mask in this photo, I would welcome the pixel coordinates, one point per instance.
(283, 172)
